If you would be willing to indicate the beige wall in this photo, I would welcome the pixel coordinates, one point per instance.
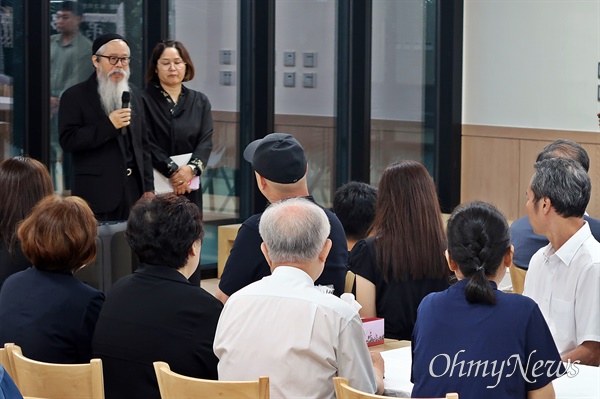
(497, 163)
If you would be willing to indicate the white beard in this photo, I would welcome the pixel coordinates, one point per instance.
(111, 92)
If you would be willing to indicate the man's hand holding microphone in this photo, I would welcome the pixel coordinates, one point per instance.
(122, 117)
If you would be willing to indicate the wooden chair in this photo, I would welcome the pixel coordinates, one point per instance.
(177, 386)
(343, 390)
(56, 381)
(349, 281)
(5, 359)
(517, 277)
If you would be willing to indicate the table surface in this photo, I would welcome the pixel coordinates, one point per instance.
(584, 385)
(389, 344)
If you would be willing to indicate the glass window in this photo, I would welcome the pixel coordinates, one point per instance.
(73, 29)
(402, 83)
(11, 67)
(305, 85)
(209, 30)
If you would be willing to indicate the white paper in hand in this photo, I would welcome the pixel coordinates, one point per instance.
(162, 184)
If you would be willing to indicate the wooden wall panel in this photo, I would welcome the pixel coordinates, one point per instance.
(529, 152)
(478, 182)
(497, 162)
(593, 151)
(490, 170)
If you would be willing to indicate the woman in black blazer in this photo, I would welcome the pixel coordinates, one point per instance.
(44, 309)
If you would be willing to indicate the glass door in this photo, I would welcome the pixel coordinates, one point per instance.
(209, 30)
(403, 50)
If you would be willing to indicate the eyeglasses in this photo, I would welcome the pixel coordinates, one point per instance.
(115, 60)
(165, 65)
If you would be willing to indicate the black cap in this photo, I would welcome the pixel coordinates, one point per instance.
(105, 38)
(277, 157)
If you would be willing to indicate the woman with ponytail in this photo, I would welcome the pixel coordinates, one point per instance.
(472, 338)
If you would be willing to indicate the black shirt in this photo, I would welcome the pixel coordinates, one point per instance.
(247, 264)
(175, 129)
(155, 314)
(396, 301)
(50, 315)
(11, 263)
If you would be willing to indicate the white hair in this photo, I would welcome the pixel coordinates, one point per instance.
(294, 230)
(111, 92)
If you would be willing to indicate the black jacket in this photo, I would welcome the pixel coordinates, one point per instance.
(51, 315)
(99, 163)
(153, 315)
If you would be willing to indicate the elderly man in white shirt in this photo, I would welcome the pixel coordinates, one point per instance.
(564, 276)
(286, 328)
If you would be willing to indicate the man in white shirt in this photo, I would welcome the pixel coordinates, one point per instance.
(286, 328)
(564, 276)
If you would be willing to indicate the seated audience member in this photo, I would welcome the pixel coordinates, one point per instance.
(525, 241)
(44, 309)
(403, 259)
(487, 332)
(156, 313)
(25, 182)
(286, 328)
(564, 276)
(354, 205)
(280, 167)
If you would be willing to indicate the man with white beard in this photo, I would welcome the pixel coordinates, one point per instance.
(107, 137)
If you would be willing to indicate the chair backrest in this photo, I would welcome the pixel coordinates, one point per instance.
(5, 359)
(350, 276)
(517, 278)
(343, 390)
(57, 381)
(173, 385)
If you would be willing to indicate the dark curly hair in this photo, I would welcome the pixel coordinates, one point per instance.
(161, 230)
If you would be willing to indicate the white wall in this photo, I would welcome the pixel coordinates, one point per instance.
(306, 26)
(531, 63)
(205, 27)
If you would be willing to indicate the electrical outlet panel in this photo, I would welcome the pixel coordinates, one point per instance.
(289, 58)
(309, 60)
(309, 80)
(289, 79)
(225, 57)
(226, 78)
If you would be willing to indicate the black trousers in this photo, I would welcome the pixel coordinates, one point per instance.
(131, 194)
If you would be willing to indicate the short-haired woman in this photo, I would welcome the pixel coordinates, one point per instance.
(24, 183)
(156, 313)
(44, 309)
(403, 259)
(472, 338)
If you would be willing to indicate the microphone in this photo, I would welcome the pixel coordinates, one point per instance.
(125, 98)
